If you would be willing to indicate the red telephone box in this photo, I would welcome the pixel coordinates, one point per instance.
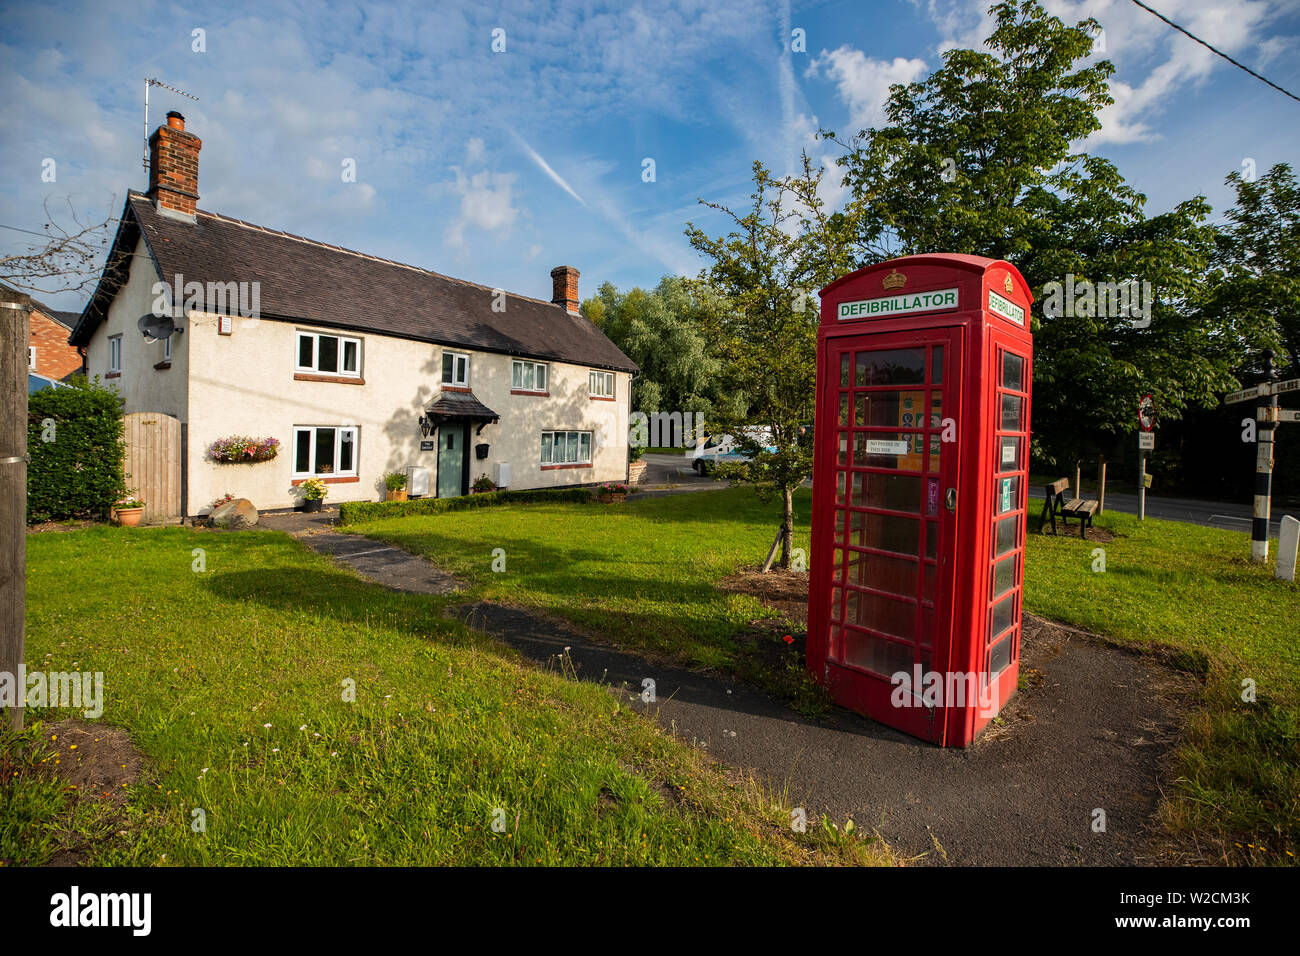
(919, 492)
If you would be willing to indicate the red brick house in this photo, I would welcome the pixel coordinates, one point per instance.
(48, 352)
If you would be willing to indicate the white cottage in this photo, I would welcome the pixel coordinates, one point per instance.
(358, 366)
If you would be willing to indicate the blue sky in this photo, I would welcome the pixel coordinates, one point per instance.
(495, 167)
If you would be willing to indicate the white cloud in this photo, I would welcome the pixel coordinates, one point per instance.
(486, 203)
(546, 168)
(863, 82)
(474, 150)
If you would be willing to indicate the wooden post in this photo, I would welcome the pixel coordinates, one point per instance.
(1078, 479)
(1101, 484)
(14, 341)
(771, 554)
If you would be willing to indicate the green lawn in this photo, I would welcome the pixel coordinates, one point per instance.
(643, 574)
(230, 682)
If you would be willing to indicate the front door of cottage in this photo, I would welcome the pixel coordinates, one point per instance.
(453, 440)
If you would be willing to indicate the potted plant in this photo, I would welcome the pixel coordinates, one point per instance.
(636, 465)
(313, 494)
(481, 485)
(612, 492)
(395, 482)
(127, 512)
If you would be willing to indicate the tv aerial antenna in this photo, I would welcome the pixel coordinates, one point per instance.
(152, 81)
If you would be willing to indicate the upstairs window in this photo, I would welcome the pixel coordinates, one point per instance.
(329, 354)
(31, 356)
(528, 376)
(115, 354)
(455, 369)
(601, 384)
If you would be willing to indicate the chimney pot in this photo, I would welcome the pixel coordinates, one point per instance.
(175, 120)
(564, 285)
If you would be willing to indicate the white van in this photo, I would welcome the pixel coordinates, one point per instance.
(719, 449)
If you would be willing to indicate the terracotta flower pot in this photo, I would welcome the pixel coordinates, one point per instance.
(128, 517)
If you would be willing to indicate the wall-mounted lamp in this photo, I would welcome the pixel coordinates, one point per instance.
(426, 425)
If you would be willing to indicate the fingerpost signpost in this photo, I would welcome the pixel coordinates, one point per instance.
(1267, 417)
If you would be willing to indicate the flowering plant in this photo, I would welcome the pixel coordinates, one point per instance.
(313, 489)
(241, 448)
(222, 500)
(481, 484)
(613, 488)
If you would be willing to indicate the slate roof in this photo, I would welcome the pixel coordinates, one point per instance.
(312, 282)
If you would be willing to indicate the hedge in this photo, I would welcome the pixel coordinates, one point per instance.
(355, 512)
(74, 438)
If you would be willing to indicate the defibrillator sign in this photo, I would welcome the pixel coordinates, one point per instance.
(904, 304)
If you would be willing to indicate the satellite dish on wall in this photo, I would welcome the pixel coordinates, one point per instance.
(155, 327)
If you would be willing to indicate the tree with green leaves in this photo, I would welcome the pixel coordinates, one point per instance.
(663, 331)
(1255, 290)
(768, 267)
(981, 157)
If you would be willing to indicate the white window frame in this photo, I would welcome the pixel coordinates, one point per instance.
(339, 431)
(115, 354)
(314, 367)
(548, 447)
(517, 366)
(457, 381)
(31, 358)
(596, 376)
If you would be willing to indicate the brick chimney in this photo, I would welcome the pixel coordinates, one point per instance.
(174, 167)
(564, 282)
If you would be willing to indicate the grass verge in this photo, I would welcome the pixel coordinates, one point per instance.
(232, 681)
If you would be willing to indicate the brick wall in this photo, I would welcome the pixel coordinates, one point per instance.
(55, 358)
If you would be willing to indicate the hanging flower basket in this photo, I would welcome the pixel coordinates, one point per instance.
(240, 449)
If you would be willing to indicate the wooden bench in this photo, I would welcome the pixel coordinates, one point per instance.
(1056, 506)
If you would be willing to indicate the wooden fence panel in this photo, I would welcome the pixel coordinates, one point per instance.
(153, 464)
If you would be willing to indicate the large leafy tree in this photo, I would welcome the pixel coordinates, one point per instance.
(663, 331)
(1256, 285)
(776, 253)
(983, 157)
